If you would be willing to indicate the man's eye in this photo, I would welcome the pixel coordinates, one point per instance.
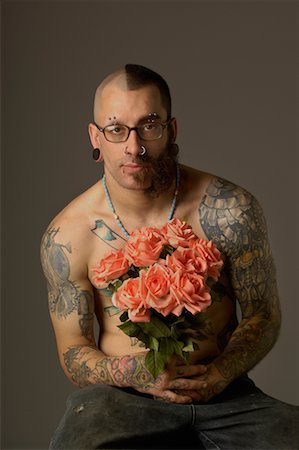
(149, 126)
(115, 129)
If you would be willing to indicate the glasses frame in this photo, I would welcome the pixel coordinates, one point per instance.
(163, 124)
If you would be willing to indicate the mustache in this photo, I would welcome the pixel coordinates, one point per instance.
(138, 160)
(171, 154)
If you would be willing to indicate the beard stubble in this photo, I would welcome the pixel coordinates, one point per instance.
(162, 170)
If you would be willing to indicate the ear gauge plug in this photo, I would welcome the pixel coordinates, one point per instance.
(97, 155)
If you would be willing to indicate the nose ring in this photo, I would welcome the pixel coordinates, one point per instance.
(143, 150)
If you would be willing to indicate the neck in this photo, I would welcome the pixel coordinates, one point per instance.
(131, 206)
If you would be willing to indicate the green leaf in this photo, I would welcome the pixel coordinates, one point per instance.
(133, 272)
(178, 348)
(115, 284)
(178, 320)
(167, 348)
(155, 362)
(196, 320)
(130, 328)
(185, 356)
(167, 250)
(156, 328)
(188, 347)
(174, 332)
(124, 316)
(199, 336)
(153, 343)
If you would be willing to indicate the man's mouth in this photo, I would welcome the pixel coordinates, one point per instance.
(134, 167)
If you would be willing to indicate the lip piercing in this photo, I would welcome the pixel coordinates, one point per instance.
(143, 150)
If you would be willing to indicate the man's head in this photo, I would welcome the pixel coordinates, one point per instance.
(132, 111)
(134, 77)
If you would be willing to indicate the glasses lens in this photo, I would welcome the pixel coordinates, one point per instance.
(116, 133)
(150, 131)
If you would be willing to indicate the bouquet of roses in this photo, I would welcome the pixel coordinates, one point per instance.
(161, 281)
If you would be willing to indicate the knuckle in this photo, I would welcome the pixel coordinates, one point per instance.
(177, 384)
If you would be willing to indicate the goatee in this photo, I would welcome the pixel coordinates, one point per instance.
(162, 170)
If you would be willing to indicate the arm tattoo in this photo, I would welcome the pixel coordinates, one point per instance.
(64, 295)
(77, 367)
(224, 335)
(85, 368)
(234, 220)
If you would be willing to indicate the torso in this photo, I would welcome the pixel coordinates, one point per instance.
(103, 235)
(219, 322)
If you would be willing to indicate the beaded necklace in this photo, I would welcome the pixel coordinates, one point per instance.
(172, 209)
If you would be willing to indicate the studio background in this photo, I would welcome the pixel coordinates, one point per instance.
(231, 70)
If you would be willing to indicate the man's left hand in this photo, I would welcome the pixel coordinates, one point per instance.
(215, 385)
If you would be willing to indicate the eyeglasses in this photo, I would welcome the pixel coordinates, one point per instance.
(149, 131)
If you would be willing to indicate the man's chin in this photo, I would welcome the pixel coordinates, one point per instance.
(143, 178)
(140, 175)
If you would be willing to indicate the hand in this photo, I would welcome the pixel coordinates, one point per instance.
(214, 384)
(177, 382)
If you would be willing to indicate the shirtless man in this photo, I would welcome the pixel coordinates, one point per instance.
(134, 134)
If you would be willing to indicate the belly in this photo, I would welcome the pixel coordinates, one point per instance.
(210, 336)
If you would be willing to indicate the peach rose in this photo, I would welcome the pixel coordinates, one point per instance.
(208, 251)
(157, 280)
(111, 267)
(157, 285)
(187, 259)
(144, 246)
(178, 233)
(190, 292)
(131, 296)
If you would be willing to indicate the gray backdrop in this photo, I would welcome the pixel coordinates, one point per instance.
(231, 69)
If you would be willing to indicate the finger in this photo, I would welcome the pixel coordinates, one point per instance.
(190, 371)
(195, 395)
(173, 397)
(186, 383)
(167, 396)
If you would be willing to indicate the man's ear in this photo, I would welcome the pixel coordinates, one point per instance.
(93, 135)
(172, 130)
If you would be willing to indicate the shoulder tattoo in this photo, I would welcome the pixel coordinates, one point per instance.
(234, 220)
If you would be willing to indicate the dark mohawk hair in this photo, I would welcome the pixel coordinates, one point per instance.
(139, 76)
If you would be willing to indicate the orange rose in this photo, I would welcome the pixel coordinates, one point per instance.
(144, 246)
(157, 280)
(208, 251)
(190, 292)
(111, 267)
(178, 233)
(187, 259)
(157, 285)
(132, 296)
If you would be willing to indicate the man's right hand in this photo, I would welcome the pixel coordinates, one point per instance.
(173, 384)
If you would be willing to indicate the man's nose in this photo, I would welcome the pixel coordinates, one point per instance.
(133, 143)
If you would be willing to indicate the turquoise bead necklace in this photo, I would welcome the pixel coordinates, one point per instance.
(172, 209)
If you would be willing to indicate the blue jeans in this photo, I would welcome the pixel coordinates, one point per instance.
(241, 417)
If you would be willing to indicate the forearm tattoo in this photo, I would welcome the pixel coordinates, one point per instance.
(234, 220)
(85, 367)
(64, 295)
